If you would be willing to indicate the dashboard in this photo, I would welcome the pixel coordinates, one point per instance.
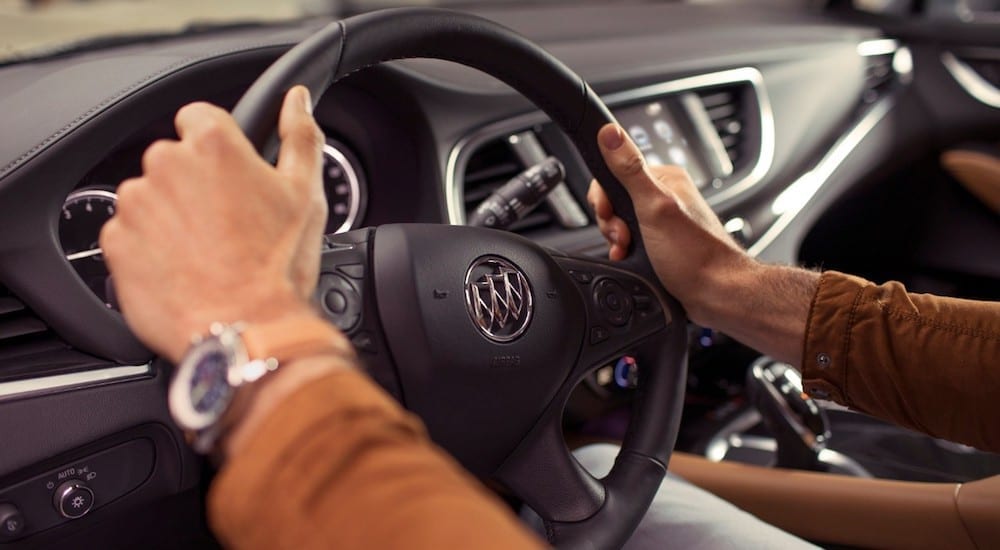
(776, 116)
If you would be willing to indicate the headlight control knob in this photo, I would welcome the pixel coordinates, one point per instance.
(73, 499)
(11, 521)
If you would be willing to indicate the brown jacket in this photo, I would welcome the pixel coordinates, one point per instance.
(924, 362)
(340, 465)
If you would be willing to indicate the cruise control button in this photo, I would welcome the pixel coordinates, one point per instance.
(598, 334)
(73, 499)
(613, 302)
(582, 277)
(642, 302)
(340, 301)
(336, 301)
(354, 271)
(363, 342)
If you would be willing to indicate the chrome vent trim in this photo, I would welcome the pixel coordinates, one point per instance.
(970, 80)
(748, 75)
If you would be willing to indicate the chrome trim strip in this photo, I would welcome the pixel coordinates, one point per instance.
(453, 191)
(354, 207)
(790, 203)
(967, 77)
(879, 46)
(74, 380)
(85, 254)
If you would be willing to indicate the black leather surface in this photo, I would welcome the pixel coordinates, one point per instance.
(366, 40)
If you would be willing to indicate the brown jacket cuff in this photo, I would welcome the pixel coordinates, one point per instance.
(825, 355)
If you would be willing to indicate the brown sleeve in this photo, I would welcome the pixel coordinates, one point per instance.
(341, 465)
(925, 362)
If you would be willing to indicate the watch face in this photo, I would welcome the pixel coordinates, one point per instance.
(210, 391)
(201, 390)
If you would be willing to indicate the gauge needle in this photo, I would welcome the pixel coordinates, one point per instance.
(85, 254)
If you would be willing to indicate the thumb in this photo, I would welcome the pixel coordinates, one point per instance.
(301, 154)
(626, 161)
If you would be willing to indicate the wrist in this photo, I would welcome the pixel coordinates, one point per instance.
(216, 384)
(283, 304)
(263, 398)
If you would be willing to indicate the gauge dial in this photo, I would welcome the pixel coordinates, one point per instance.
(83, 214)
(345, 188)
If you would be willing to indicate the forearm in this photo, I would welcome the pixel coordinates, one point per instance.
(352, 470)
(763, 306)
(926, 362)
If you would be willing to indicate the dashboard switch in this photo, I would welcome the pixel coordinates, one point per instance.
(73, 499)
(11, 521)
(598, 334)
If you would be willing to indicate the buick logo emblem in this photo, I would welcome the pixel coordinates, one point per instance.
(498, 297)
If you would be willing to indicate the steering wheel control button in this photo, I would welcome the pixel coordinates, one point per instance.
(335, 301)
(498, 298)
(363, 341)
(582, 277)
(354, 271)
(642, 302)
(341, 301)
(598, 334)
(613, 302)
(73, 499)
(11, 521)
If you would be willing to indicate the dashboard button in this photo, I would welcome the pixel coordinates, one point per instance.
(73, 499)
(354, 271)
(598, 334)
(363, 342)
(582, 277)
(613, 302)
(336, 301)
(11, 521)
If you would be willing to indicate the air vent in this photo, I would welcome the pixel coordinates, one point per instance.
(725, 108)
(21, 331)
(879, 76)
(491, 166)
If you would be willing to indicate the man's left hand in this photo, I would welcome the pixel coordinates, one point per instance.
(212, 233)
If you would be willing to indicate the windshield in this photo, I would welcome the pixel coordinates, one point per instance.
(31, 29)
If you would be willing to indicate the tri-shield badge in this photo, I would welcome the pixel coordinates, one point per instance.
(498, 298)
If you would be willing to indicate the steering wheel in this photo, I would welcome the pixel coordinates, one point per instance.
(482, 333)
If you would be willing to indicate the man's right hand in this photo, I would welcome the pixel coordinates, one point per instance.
(692, 254)
(717, 282)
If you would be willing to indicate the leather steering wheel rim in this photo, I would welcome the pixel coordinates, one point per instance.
(350, 45)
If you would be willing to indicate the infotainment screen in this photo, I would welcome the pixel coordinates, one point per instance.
(663, 141)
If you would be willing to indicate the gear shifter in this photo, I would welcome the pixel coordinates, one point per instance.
(799, 425)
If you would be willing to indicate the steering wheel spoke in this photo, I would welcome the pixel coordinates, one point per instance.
(543, 473)
(623, 309)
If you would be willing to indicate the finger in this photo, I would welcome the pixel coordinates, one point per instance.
(301, 155)
(202, 116)
(625, 160)
(599, 201)
(617, 234)
(162, 154)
